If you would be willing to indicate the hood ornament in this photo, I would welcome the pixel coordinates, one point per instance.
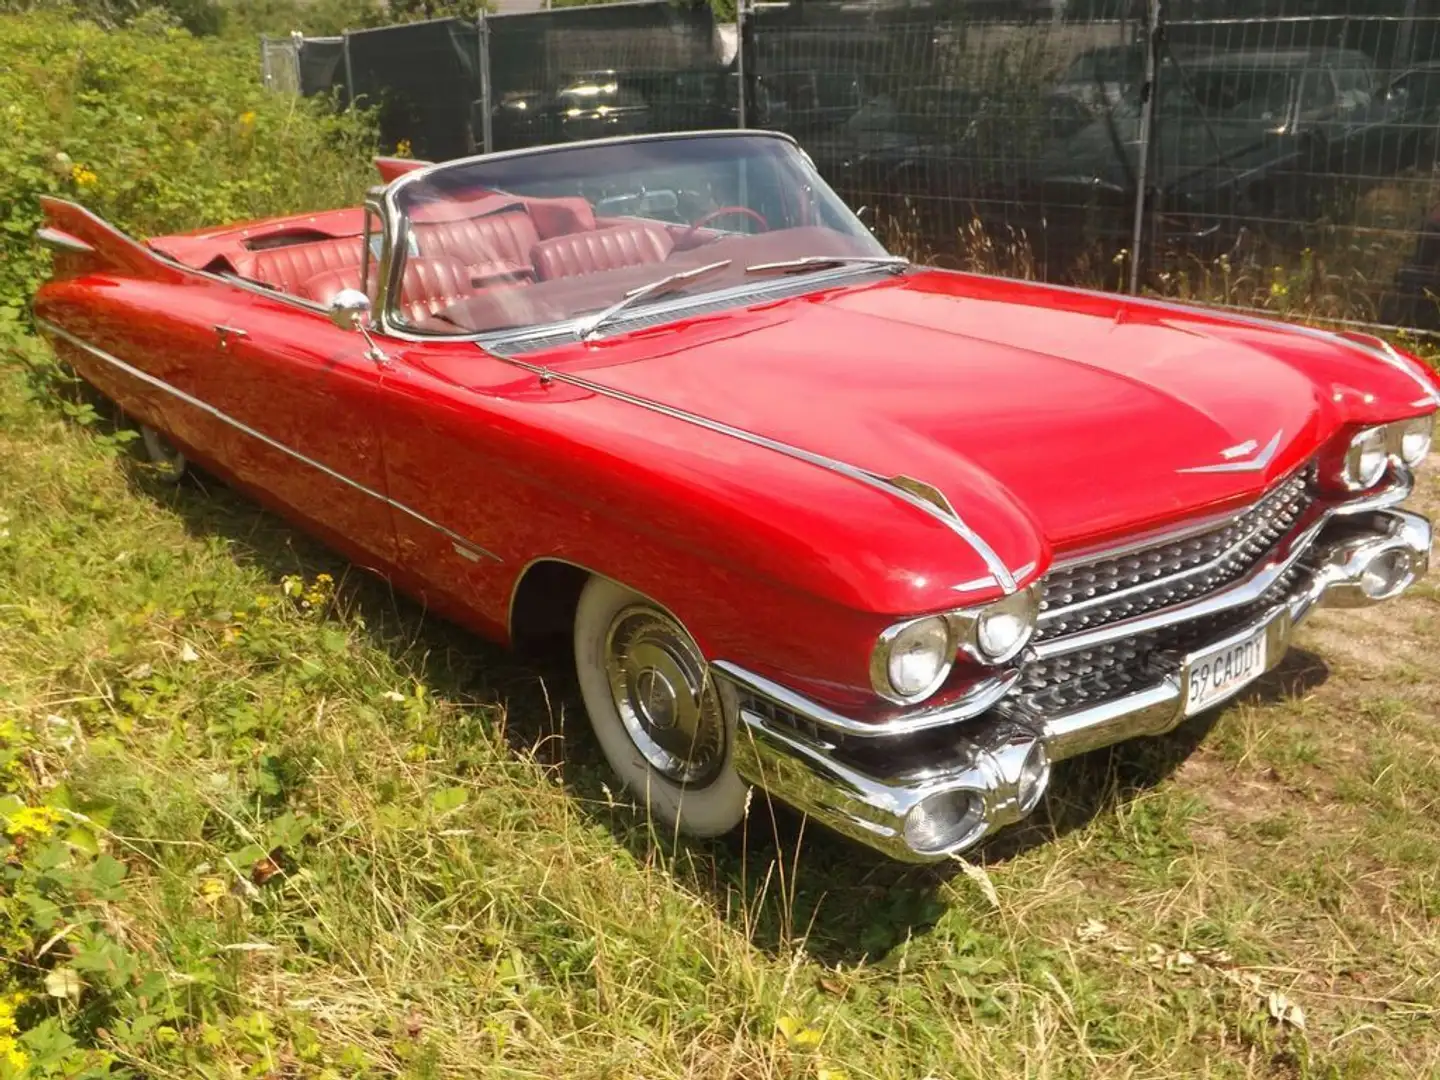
(1239, 458)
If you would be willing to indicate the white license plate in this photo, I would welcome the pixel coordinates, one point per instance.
(1222, 671)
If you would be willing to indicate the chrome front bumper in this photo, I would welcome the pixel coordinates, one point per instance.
(924, 796)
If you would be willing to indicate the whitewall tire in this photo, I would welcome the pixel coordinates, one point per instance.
(666, 728)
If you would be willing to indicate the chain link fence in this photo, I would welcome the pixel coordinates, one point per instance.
(1273, 154)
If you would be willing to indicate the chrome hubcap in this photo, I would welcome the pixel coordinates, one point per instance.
(661, 690)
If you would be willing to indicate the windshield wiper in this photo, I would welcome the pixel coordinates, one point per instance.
(825, 262)
(590, 327)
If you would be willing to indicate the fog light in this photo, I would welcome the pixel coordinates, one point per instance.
(1034, 776)
(944, 820)
(1386, 574)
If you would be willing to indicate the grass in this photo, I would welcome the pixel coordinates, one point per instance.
(354, 841)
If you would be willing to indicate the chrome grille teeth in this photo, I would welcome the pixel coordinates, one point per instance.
(1092, 676)
(1233, 548)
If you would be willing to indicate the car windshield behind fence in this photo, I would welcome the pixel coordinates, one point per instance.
(537, 239)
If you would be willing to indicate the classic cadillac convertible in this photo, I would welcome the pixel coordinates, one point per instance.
(883, 541)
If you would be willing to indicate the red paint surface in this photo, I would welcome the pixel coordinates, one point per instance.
(1053, 421)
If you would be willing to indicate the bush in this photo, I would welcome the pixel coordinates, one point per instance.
(156, 131)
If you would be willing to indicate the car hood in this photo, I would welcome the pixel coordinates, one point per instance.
(1081, 416)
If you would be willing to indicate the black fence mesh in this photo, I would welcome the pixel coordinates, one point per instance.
(423, 77)
(617, 69)
(1290, 161)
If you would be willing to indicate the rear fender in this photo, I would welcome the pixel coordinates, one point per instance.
(85, 244)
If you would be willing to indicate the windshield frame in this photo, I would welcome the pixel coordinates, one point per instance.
(394, 222)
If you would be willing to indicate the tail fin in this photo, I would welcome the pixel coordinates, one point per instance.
(85, 244)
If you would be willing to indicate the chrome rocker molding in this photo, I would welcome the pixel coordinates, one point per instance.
(995, 770)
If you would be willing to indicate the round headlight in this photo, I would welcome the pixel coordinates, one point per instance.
(1365, 461)
(1413, 438)
(1004, 628)
(912, 659)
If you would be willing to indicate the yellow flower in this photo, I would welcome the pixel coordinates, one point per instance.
(31, 821)
(12, 1055)
(247, 119)
(83, 176)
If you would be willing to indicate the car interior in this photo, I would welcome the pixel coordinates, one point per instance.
(479, 258)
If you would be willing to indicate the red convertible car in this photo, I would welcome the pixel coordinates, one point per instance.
(883, 541)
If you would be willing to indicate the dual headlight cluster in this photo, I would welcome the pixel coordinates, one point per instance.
(913, 658)
(1368, 456)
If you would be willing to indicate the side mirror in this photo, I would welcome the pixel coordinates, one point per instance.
(350, 309)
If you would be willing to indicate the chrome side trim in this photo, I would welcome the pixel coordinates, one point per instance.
(206, 407)
(954, 523)
(980, 697)
(62, 241)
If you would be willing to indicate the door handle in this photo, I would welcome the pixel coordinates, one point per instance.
(227, 333)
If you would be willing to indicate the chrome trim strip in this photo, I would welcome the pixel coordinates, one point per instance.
(1254, 464)
(980, 697)
(62, 241)
(1244, 590)
(1059, 614)
(1401, 489)
(614, 140)
(205, 407)
(955, 523)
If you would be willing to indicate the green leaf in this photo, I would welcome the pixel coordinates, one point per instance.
(447, 800)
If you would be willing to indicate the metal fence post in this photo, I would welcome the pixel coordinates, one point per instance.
(740, 101)
(265, 79)
(349, 72)
(482, 27)
(1147, 118)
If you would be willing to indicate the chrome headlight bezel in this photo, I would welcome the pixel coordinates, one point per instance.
(1370, 445)
(1410, 440)
(1019, 611)
(940, 629)
(965, 631)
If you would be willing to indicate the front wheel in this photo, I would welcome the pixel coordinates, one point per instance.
(665, 726)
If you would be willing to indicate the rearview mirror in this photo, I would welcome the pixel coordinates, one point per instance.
(350, 309)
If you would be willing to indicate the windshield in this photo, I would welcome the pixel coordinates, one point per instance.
(546, 237)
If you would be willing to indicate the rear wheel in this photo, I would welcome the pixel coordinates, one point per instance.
(169, 462)
(665, 726)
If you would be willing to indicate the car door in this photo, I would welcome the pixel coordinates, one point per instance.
(299, 398)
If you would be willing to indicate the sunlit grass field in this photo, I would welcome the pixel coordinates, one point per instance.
(266, 819)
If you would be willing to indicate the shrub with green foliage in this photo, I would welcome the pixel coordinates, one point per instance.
(156, 131)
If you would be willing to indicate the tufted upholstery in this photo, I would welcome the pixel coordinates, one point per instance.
(602, 249)
(287, 268)
(429, 285)
(323, 286)
(504, 237)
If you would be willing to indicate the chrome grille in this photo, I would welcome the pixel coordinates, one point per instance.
(1145, 579)
(1092, 676)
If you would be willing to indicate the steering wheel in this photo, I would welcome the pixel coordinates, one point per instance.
(705, 219)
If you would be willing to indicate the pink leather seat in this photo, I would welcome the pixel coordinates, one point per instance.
(601, 249)
(506, 237)
(428, 286)
(287, 268)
